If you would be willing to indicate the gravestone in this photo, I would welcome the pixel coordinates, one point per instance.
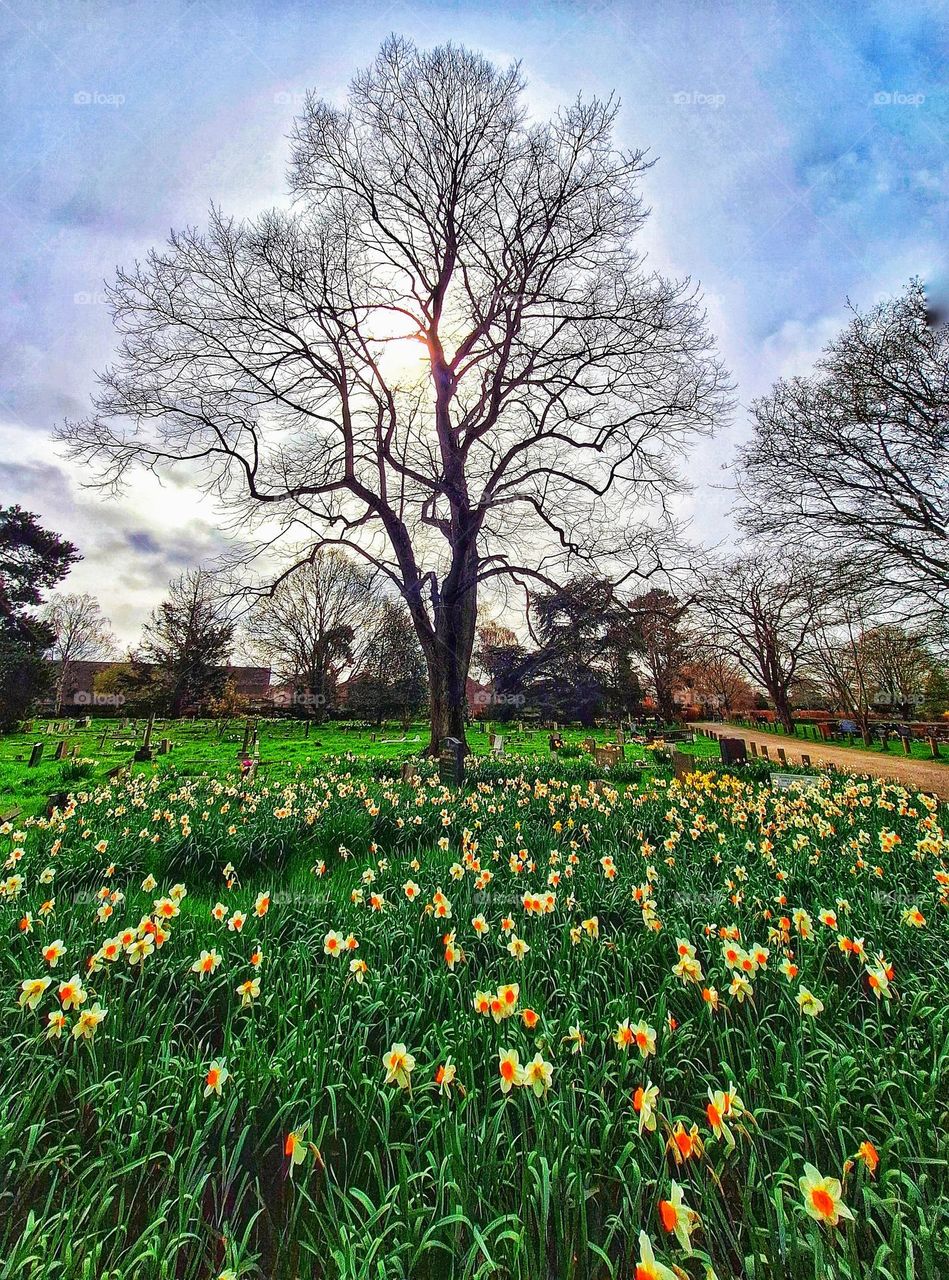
(62, 750)
(764, 752)
(589, 744)
(409, 772)
(58, 800)
(607, 756)
(683, 764)
(555, 741)
(754, 748)
(497, 744)
(451, 762)
(145, 752)
(36, 755)
(782, 755)
(786, 781)
(733, 750)
(806, 760)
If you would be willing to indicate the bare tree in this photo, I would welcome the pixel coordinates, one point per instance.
(81, 633)
(448, 358)
(315, 624)
(836, 656)
(763, 610)
(714, 679)
(898, 663)
(856, 458)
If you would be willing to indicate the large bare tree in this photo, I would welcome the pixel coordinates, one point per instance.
(764, 609)
(855, 459)
(448, 357)
(315, 624)
(81, 633)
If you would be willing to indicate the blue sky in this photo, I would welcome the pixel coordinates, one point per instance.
(801, 160)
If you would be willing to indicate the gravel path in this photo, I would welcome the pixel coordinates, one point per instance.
(918, 774)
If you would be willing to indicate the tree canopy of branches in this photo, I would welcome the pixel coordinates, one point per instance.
(186, 644)
(313, 625)
(764, 610)
(390, 680)
(32, 560)
(445, 358)
(81, 633)
(855, 459)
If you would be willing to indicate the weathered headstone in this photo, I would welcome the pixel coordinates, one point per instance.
(451, 762)
(785, 781)
(607, 756)
(409, 771)
(733, 750)
(497, 744)
(62, 750)
(145, 753)
(754, 747)
(782, 755)
(36, 755)
(683, 764)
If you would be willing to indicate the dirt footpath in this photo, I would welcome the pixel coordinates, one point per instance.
(919, 774)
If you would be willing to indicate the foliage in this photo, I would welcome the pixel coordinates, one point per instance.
(32, 560)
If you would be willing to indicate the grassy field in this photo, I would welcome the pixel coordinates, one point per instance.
(214, 748)
(267, 1030)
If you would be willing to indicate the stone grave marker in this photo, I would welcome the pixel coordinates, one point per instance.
(451, 762)
(786, 781)
(62, 750)
(409, 772)
(36, 755)
(733, 750)
(682, 764)
(497, 744)
(145, 752)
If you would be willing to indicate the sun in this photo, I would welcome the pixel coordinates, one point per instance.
(401, 354)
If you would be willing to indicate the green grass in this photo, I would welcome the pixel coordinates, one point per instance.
(214, 748)
(114, 1165)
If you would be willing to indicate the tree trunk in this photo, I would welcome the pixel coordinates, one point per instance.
(783, 708)
(449, 655)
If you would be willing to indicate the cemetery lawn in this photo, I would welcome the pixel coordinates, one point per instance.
(337, 1026)
(213, 748)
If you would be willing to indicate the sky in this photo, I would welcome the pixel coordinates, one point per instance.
(800, 156)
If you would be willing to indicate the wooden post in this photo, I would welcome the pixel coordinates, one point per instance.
(933, 747)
